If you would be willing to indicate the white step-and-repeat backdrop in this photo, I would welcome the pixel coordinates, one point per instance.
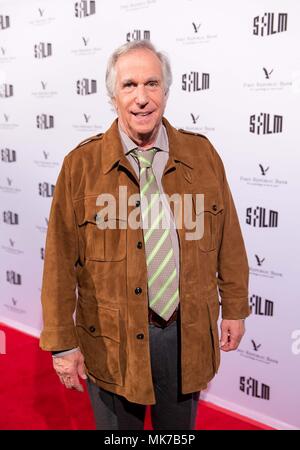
(236, 74)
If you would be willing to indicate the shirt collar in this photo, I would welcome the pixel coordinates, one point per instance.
(161, 141)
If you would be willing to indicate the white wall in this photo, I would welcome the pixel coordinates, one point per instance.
(249, 74)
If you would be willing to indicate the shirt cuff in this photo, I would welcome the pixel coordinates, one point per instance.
(67, 352)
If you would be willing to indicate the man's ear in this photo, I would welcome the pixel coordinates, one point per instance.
(166, 97)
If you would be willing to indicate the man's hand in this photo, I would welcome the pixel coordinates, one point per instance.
(69, 368)
(232, 332)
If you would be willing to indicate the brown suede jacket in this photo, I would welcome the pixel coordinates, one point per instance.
(95, 271)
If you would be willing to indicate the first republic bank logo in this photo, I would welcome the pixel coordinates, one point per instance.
(85, 8)
(270, 23)
(194, 81)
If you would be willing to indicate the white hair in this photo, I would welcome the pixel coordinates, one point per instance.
(110, 77)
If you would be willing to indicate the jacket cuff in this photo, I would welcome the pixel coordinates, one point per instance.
(235, 308)
(58, 338)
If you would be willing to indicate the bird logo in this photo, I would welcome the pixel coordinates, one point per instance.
(255, 346)
(259, 261)
(267, 74)
(194, 118)
(263, 170)
(196, 27)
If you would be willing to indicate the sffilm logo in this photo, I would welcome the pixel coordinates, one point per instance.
(257, 217)
(264, 124)
(46, 189)
(193, 81)
(86, 86)
(8, 155)
(261, 307)
(42, 50)
(44, 121)
(267, 24)
(4, 22)
(85, 8)
(6, 90)
(10, 218)
(253, 387)
(138, 35)
(13, 277)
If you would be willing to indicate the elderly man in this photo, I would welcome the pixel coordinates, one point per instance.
(145, 291)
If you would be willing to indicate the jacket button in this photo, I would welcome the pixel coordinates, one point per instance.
(140, 336)
(92, 329)
(139, 244)
(138, 290)
(137, 203)
(214, 207)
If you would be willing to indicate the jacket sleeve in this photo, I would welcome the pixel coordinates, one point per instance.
(233, 270)
(59, 275)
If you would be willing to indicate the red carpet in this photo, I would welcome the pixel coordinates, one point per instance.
(32, 397)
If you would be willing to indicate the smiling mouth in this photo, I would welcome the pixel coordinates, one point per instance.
(142, 114)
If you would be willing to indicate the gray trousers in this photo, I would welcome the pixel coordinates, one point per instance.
(172, 411)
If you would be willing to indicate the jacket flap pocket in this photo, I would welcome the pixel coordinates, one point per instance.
(86, 210)
(207, 211)
(212, 202)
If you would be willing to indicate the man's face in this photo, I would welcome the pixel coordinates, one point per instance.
(140, 97)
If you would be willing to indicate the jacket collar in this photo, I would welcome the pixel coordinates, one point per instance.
(113, 152)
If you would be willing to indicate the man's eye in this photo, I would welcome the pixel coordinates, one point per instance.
(153, 83)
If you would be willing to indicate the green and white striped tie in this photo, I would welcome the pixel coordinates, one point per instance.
(162, 277)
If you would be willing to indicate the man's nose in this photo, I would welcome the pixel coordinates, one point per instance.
(141, 95)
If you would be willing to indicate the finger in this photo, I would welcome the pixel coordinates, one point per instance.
(224, 338)
(78, 387)
(234, 342)
(76, 384)
(81, 372)
(68, 383)
(61, 379)
(225, 347)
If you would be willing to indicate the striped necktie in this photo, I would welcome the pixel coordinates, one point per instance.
(162, 277)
